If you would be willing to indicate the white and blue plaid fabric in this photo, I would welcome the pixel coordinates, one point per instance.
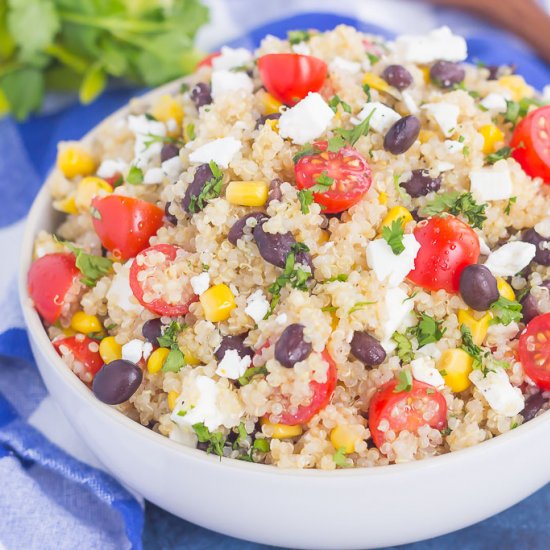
(53, 494)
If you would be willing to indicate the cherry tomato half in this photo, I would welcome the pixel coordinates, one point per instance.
(161, 306)
(534, 351)
(349, 170)
(125, 224)
(207, 60)
(531, 143)
(406, 410)
(85, 352)
(289, 77)
(49, 280)
(447, 246)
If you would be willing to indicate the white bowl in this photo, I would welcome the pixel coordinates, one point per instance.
(356, 508)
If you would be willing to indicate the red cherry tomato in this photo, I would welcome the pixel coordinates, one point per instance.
(447, 246)
(322, 394)
(125, 224)
(534, 351)
(207, 61)
(140, 287)
(406, 410)
(289, 77)
(49, 280)
(115, 180)
(85, 353)
(531, 143)
(349, 170)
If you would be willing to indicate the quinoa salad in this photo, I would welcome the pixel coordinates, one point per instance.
(330, 252)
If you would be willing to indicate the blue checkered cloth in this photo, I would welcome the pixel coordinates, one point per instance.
(53, 493)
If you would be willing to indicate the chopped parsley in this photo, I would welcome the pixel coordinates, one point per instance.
(295, 37)
(250, 373)
(153, 138)
(511, 201)
(341, 277)
(211, 190)
(366, 89)
(92, 267)
(215, 440)
(404, 347)
(427, 331)
(393, 235)
(329, 309)
(175, 359)
(502, 153)
(359, 305)
(404, 381)
(518, 109)
(307, 150)
(374, 59)
(323, 182)
(505, 311)
(305, 196)
(353, 135)
(262, 445)
(473, 350)
(135, 176)
(335, 101)
(457, 203)
(190, 132)
(340, 459)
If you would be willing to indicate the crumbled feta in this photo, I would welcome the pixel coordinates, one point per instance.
(230, 58)
(382, 119)
(502, 397)
(120, 294)
(491, 184)
(445, 115)
(453, 146)
(389, 266)
(153, 176)
(143, 129)
(302, 48)
(483, 246)
(437, 44)
(135, 350)
(410, 103)
(396, 309)
(344, 65)
(496, 103)
(510, 258)
(172, 167)
(430, 350)
(200, 283)
(443, 166)
(543, 228)
(221, 151)
(423, 370)
(281, 319)
(232, 365)
(257, 306)
(111, 167)
(224, 82)
(496, 334)
(307, 120)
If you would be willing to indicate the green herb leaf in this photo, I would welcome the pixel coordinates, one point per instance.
(215, 440)
(305, 196)
(335, 101)
(250, 373)
(323, 183)
(170, 334)
(341, 277)
(393, 235)
(427, 331)
(366, 89)
(93, 83)
(502, 153)
(306, 150)
(468, 345)
(211, 190)
(457, 203)
(404, 347)
(190, 132)
(353, 135)
(329, 309)
(92, 267)
(374, 59)
(154, 138)
(511, 201)
(262, 445)
(295, 37)
(340, 459)
(405, 381)
(359, 305)
(135, 176)
(505, 311)
(174, 361)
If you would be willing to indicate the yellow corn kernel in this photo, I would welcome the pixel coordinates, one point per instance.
(156, 360)
(172, 399)
(478, 327)
(374, 81)
(426, 74)
(344, 437)
(110, 349)
(425, 135)
(270, 105)
(455, 366)
(273, 124)
(190, 359)
(87, 189)
(517, 86)
(334, 321)
(168, 108)
(84, 323)
(247, 193)
(324, 237)
(217, 302)
(282, 431)
(492, 135)
(68, 331)
(75, 161)
(505, 290)
(66, 205)
(394, 214)
(383, 198)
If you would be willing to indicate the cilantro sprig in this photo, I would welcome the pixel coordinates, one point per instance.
(404, 347)
(393, 235)
(215, 440)
(335, 101)
(211, 190)
(92, 267)
(154, 138)
(404, 381)
(175, 359)
(457, 203)
(250, 373)
(295, 37)
(502, 153)
(427, 330)
(305, 196)
(352, 136)
(515, 110)
(323, 182)
(135, 175)
(505, 311)
(339, 458)
(472, 349)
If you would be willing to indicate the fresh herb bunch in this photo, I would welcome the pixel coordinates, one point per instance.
(70, 45)
(457, 203)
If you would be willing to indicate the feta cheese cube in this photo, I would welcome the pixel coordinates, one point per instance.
(491, 184)
(153, 176)
(339, 64)
(543, 228)
(382, 119)
(445, 115)
(232, 365)
(200, 283)
(307, 120)
(110, 167)
(437, 44)
(302, 48)
(257, 306)
(429, 350)
(135, 350)
(444, 166)
(510, 258)
(396, 309)
(221, 151)
(483, 246)
(120, 294)
(230, 58)
(495, 103)
(410, 103)
(453, 146)
(423, 370)
(388, 266)
(172, 167)
(281, 319)
(499, 393)
(224, 82)
(143, 129)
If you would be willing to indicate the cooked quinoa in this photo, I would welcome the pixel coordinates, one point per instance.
(276, 334)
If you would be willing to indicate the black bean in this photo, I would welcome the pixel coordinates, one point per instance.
(203, 445)
(496, 71)
(446, 74)
(261, 121)
(291, 348)
(202, 175)
(201, 95)
(273, 247)
(170, 218)
(117, 381)
(235, 343)
(367, 349)
(478, 287)
(275, 193)
(542, 255)
(238, 228)
(402, 135)
(529, 305)
(152, 330)
(397, 76)
(168, 151)
(421, 183)
(533, 404)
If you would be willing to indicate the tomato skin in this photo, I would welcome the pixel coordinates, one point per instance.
(125, 224)
(289, 77)
(351, 173)
(159, 306)
(49, 279)
(530, 146)
(447, 246)
(322, 394)
(540, 352)
(79, 345)
(207, 60)
(386, 399)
